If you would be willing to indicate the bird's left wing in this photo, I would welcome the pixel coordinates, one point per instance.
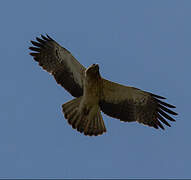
(132, 104)
(58, 61)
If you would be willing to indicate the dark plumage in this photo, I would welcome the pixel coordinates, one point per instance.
(94, 94)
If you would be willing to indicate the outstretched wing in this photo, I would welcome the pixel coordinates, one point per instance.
(132, 104)
(58, 61)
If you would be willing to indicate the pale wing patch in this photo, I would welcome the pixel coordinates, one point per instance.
(57, 60)
(74, 66)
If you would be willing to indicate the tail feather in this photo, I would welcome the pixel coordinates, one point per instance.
(87, 129)
(70, 106)
(90, 123)
(94, 123)
(73, 117)
(77, 122)
(101, 120)
(96, 126)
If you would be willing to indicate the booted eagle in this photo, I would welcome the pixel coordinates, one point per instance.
(94, 94)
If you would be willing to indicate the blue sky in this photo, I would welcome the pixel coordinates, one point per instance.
(146, 44)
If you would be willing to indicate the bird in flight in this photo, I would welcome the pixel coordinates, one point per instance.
(93, 94)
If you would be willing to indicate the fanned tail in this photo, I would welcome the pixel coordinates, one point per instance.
(87, 121)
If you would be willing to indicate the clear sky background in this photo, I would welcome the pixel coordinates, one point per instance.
(146, 44)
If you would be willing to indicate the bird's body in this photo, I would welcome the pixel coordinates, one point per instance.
(94, 94)
(92, 83)
(84, 114)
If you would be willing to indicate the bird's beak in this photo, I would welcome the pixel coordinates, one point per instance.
(95, 65)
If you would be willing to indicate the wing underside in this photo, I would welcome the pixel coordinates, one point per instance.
(131, 104)
(58, 61)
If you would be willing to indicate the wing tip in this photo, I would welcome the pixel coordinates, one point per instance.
(157, 96)
(34, 49)
(163, 110)
(167, 110)
(41, 41)
(165, 104)
(49, 37)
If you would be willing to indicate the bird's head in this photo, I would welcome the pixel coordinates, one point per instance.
(92, 70)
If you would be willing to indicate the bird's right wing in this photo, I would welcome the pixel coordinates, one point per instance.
(58, 61)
